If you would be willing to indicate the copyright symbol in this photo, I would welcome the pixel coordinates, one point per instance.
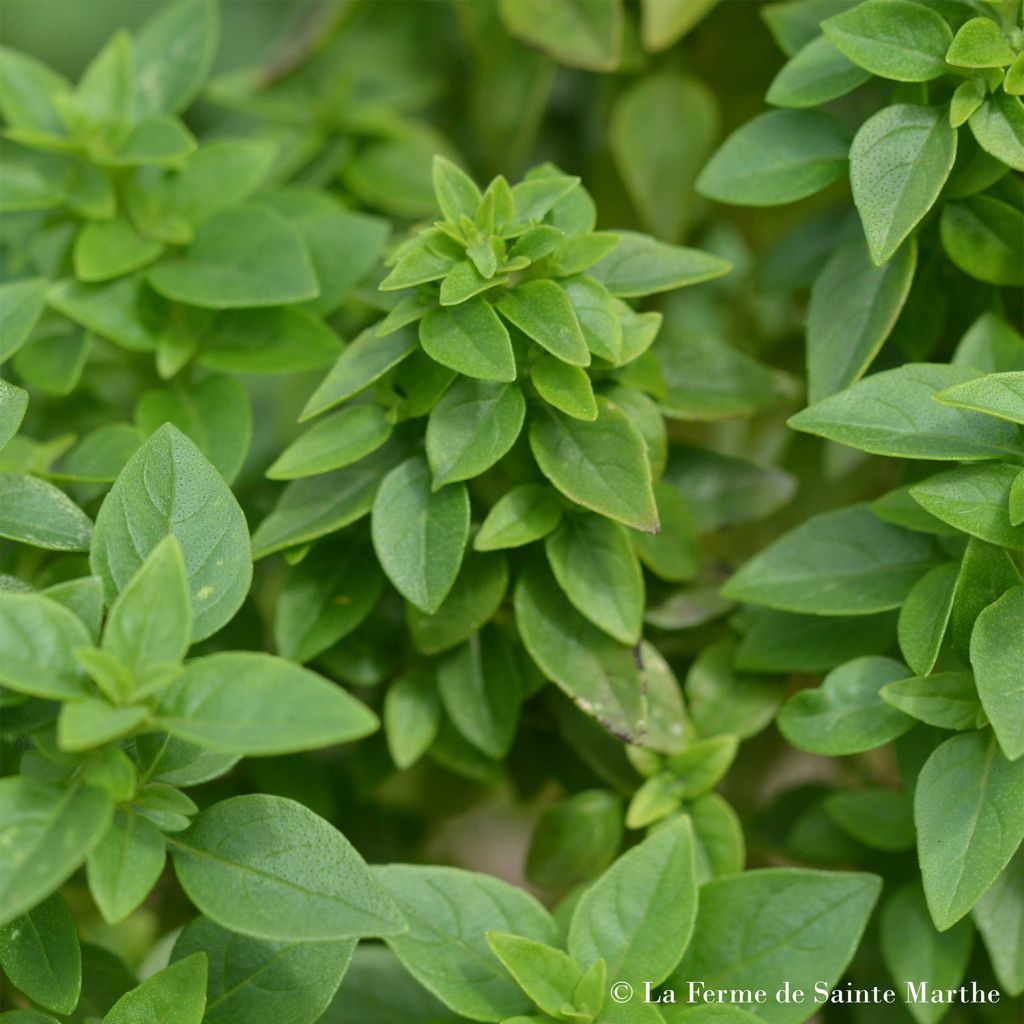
(621, 992)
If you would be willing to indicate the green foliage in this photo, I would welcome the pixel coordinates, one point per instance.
(407, 490)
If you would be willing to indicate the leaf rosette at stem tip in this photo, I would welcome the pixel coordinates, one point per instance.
(494, 403)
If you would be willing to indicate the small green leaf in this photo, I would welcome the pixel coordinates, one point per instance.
(35, 512)
(13, 403)
(924, 616)
(854, 307)
(480, 689)
(795, 924)
(640, 265)
(845, 562)
(21, 304)
(574, 840)
(947, 700)
(846, 715)
(601, 465)
(997, 394)
(585, 35)
(365, 360)
(412, 717)
(336, 441)
(776, 158)
(174, 52)
(244, 256)
(325, 598)
(525, 514)
(457, 195)
(979, 43)
(600, 675)
(997, 657)
(893, 413)
(599, 572)
(420, 534)
(998, 127)
(969, 819)
(27, 91)
(975, 499)
(982, 236)
(566, 387)
(108, 249)
(817, 74)
(92, 722)
(541, 310)
(892, 38)
(125, 864)
(899, 161)
(256, 979)
(47, 832)
(474, 598)
(175, 995)
(40, 954)
(151, 619)
(999, 917)
(270, 868)
(214, 412)
(319, 505)
(672, 553)
(878, 818)
(449, 913)
(39, 638)
(168, 488)
(547, 975)
(914, 951)
(471, 428)
(470, 339)
(243, 702)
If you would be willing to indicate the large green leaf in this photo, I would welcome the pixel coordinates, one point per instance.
(970, 820)
(420, 534)
(846, 562)
(854, 307)
(899, 161)
(997, 657)
(778, 157)
(252, 980)
(168, 488)
(270, 868)
(445, 949)
(762, 928)
(893, 413)
(601, 465)
(47, 832)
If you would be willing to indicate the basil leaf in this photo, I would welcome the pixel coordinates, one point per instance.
(854, 307)
(39, 638)
(256, 979)
(776, 158)
(969, 822)
(846, 714)
(21, 304)
(125, 864)
(470, 339)
(420, 534)
(47, 832)
(168, 488)
(816, 74)
(765, 927)
(270, 868)
(248, 703)
(997, 394)
(925, 615)
(335, 442)
(526, 513)
(845, 562)
(947, 700)
(35, 512)
(473, 426)
(542, 311)
(999, 917)
(40, 954)
(175, 995)
(997, 657)
(640, 265)
(600, 465)
(892, 413)
(892, 38)
(449, 911)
